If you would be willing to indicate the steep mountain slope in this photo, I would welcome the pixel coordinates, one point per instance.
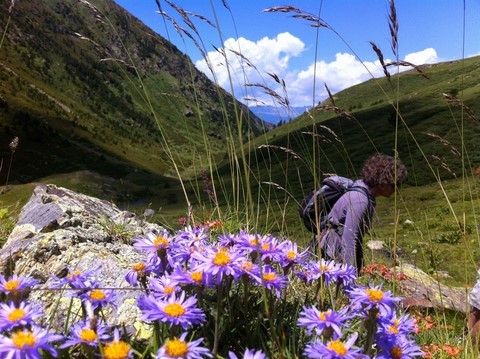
(85, 85)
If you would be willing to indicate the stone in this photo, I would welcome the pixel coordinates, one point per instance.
(59, 229)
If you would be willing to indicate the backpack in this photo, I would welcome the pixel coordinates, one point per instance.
(327, 195)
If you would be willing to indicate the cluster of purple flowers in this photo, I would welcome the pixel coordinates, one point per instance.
(374, 308)
(176, 273)
(23, 336)
(193, 259)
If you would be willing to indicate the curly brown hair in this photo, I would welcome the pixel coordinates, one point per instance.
(379, 170)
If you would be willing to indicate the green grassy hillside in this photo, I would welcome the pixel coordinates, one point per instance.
(86, 86)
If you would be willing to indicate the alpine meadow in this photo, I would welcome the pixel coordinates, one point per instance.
(95, 102)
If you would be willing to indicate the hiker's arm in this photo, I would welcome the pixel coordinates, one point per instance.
(353, 227)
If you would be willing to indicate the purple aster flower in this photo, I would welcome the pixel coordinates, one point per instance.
(272, 280)
(173, 310)
(347, 274)
(328, 323)
(328, 270)
(334, 349)
(117, 349)
(193, 236)
(365, 299)
(75, 278)
(393, 326)
(179, 348)
(153, 242)
(219, 262)
(163, 287)
(27, 343)
(98, 297)
(191, 277)
(16, 284)
(250, 269)
(289, 256)
(306, 273)
(13, 315)
(139, 271)
(255, 244)
(400, 348)
(86, 333)
(227, 239)
(249, 354)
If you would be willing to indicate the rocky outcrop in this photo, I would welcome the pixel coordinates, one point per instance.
(422, 290)
(60, 229)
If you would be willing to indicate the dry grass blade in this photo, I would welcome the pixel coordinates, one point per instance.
(203, 18)
(330, 96)
(393, 25)
(12, 5)
(225, 4)
(314, 20)
(253, 99)
(282, 9)
(336, 109)
(444, 142)
(444, 165)
(269, 91)
(287, 150)
(184, 16)
(406, 63)
(456, 101)
(84, 2)
(319, 136)
(247, 61)
(274, 76)
(380, 58)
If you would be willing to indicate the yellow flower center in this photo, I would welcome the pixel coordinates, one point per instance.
(248, 266)
(176, 348)
(269, 276)
(221, 258)
(375, 295)
(291, 255)
(139, 267)
(116, 350)
(160, 241)
(254, 242)
(23, 339)
(97, 294)
(197, 277)
(396, 352)
(322, 315)
(324, 268)
(393, 329)
(73, 274)
(16, 315)
(12, 284)
(88, 335)
(168, 290)
(338, 347)
(266, 246)
(174, 310)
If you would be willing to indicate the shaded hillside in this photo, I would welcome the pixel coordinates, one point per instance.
(433, 127)
(85, 85)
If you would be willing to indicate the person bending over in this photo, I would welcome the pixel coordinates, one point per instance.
(351, 216)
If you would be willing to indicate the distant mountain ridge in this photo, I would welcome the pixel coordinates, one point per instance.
(277, 114)
(87, 86)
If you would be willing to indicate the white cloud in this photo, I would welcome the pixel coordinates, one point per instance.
(427, 56)
(274, 55)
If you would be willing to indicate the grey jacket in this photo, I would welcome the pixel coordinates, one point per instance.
(350, 218)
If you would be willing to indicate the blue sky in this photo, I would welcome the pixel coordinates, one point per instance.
(430, 31)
